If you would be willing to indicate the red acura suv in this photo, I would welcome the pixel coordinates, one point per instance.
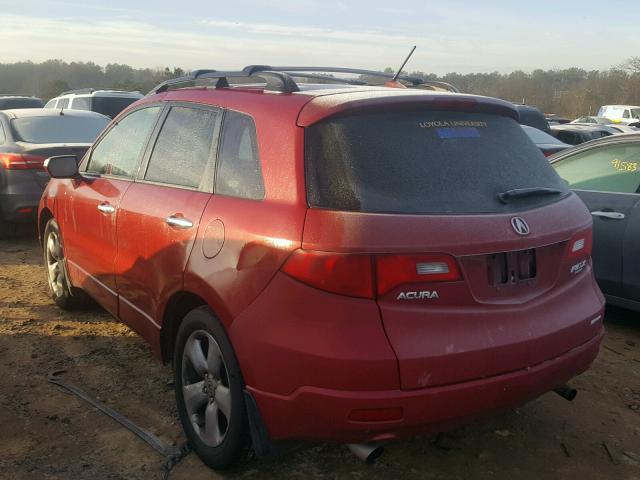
(331, 262)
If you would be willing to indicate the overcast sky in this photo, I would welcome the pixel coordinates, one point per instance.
(453, 35)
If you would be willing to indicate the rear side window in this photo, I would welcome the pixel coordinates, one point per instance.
(614, 168)
(239, 173)
(111, 106)
(119, 150)
(81, 103)
(51, 103)
(182, 152)
(63, 103)
(424, 162)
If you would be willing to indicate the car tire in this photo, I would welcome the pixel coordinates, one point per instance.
(66, 297)
(209, 390)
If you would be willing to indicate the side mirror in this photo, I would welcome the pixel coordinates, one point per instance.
(62, 166)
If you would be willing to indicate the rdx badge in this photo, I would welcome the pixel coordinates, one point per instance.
(418, 295)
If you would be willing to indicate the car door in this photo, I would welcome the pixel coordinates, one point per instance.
(159, 215)
(88, 216)
(607, 179)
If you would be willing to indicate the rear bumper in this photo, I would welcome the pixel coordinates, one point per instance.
(20, 195)
(322, 414)
(20, 207)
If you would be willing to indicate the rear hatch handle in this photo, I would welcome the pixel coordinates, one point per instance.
(611, 215)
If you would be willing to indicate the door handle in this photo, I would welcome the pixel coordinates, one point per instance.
(178, 222)
(106, 208)
(611, 215)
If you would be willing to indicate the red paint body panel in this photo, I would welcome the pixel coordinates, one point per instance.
(90, 235)
(152, 255)
(322, 414)
(306, 337)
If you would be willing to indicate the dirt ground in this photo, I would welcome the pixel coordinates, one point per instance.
(46, 433)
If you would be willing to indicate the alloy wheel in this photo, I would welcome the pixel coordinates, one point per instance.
(205, 388)
(54, 264)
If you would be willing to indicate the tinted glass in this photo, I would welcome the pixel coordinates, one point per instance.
(119, 150)
(635, 113)
(538, 136)
(239, 172)
(614, 168)
(3, 137)
(423, 162)
(532, 117)
(183, 149)
(13, 103)
(81, 103)
(58, 128)
(570, 138)
(111, 106)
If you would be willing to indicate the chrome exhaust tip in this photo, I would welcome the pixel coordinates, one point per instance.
(367, 452)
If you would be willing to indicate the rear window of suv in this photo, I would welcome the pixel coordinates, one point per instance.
(111, 106)
(59, 128)
(424, 163)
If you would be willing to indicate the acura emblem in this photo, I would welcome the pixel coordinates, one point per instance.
(520, 226)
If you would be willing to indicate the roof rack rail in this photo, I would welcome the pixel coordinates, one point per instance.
(78, 90)
(278, 81)
(92, 90)
(415, 81)
(280, 78)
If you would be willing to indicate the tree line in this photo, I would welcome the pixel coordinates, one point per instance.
(48, 79)
(569, 92)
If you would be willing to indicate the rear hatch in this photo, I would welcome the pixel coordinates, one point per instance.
(477, 247)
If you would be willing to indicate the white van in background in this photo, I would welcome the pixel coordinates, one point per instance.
(620, 113)
(106, 102)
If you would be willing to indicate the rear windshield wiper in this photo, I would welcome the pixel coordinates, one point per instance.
(506, 197)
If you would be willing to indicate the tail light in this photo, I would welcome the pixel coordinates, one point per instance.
(20, 161)
(354, 275)
(548, 153)
(395, 270)
(350, 275)
(580, 245)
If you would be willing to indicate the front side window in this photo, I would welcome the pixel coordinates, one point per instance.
(613, 168)
(626, 114)
(119, 150)
(183, 150)
(239, 172)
